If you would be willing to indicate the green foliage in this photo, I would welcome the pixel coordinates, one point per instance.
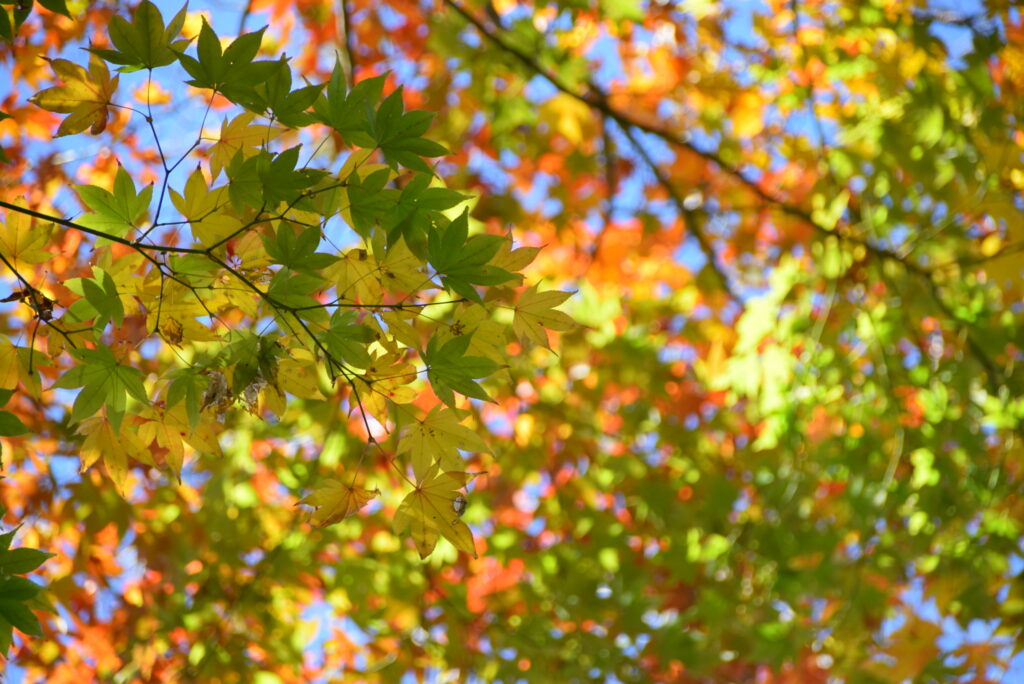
(464, 263)
(451, 370)
(11, 23)
(338, 325)
(104, 382)
(116, 212)
(144, 43)
(18, 595)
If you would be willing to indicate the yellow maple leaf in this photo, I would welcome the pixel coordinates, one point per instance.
(171, 430)
(170, 436)
(21, 241)
(438, 438)
(113, 447)
(435, 507)
(354, 277)
(200, 204)
(400, 329)
(202, 439)
(250, 252)
(85, 95)
(400, 270)
(912, 648)
(198, 199)
(176, 301)
(228, 292)
(298, 377)
(488, 336)
(535, 312)
(8, 364)
(335, 501)
(514, 260)
(240, 134)
(388, 377)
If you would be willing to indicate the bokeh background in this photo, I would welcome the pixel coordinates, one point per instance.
(782, 445)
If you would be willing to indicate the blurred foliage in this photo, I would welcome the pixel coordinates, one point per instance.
(782, 443)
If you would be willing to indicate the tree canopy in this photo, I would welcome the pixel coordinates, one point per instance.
(485, 340)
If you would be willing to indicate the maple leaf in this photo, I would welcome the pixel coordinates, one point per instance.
(104, 381)
(462, 261)
(354, 276)
(400, 270)
(100, 300)
(202, 205)
(169, 435)
(335, 501)
(297, 376)
(115, 212)
(145, 42)
(15, 595)
(114, 445)
(8, 364)
(535, 311)
(450, 370)
(22, 240)
(85, 95)
(400, 329)
(438, 438)
(347, 340)
(513, 260)
(487, 337)
(434, 507)
(241, 135)
(388, 380)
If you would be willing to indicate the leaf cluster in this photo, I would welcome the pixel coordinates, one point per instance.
(19, 596)
(267, 307)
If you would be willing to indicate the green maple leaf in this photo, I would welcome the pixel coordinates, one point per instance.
(145, 43)
(255, 358)
(461, 262)
(115, 212)
(418, 211)
(11, 425)
(295, 290)
(18, 595)
(449, 369)
(399, 135)
(101, 300)
(369, 199)
(347, 340)
(14, 592)
(350, 112)
(104, 382)
(232, 71)
(188, 385)
(287, 106)
(297, 251)
(21, 561)
(267, 179)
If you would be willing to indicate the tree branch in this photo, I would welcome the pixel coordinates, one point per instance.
(137, 246)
